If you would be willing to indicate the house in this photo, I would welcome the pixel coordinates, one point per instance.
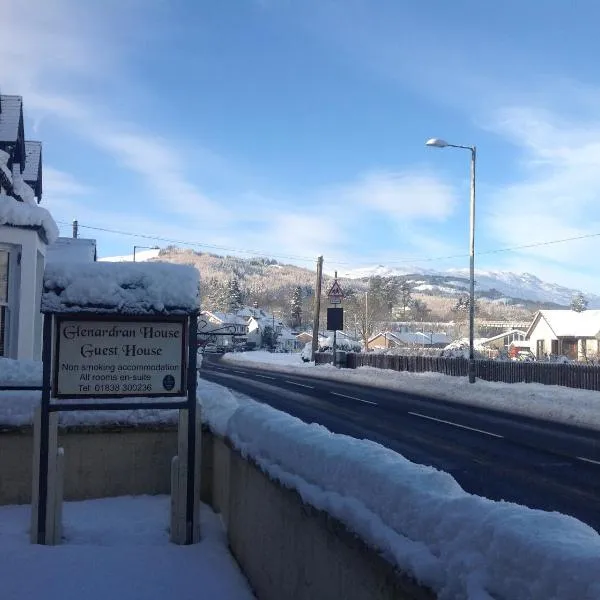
(69, 249)
(503, 341)
(26, 230)
(565, 333)
(393, 339)
(222, 329)
(304, 337)
(384, 341)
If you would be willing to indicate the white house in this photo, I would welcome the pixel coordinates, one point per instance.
(565, 333)
(26, 229)
(222, 329)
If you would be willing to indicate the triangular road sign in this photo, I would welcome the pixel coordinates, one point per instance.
(335, 290)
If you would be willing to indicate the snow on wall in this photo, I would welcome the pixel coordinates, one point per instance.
(460, 545)
(21, 214)
(128, 288)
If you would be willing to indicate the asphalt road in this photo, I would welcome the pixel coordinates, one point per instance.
(490, 453)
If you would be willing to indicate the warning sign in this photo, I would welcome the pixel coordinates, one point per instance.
(335, 293)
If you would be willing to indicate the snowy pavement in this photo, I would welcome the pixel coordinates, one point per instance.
(117, 548)
(552, 403)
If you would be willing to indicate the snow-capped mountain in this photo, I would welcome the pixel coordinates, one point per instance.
(493, 284)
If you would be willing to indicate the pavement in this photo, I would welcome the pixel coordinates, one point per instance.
(536, 463)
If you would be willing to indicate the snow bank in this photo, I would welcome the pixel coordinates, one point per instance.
(126, 288)
(460, 545)
(21, 214)
(117, 548)
(549, 402)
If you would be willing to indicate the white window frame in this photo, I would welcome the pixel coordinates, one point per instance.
(12, 305)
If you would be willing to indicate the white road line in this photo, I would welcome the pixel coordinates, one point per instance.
(312, 387)
(241, 372)
(353, 398)
(263, 376)
(588, 460)
(455, 424)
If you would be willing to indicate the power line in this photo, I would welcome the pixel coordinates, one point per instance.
(334, 262)
(188, 243)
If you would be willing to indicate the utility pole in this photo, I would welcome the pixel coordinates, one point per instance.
(315, 337)
(75, 228)
(366, 321)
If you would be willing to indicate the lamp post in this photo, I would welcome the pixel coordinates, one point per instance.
(146, 247)
(437, 143)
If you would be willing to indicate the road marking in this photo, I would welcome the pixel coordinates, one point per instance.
(588, 460)
(242, 372)
(456, 425)
(263, 376)
(353, 398)
(312, 387)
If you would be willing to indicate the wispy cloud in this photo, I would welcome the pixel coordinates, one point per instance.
(407, 195)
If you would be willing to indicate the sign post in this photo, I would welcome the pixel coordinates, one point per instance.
(121, 362)
(335, 316)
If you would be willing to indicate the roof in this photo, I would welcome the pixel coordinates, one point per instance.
(418, 338)
(11, 112)
(33, 163)
(504, 334)
(73, 250)
(568, 323)
(124, 288)
(21, 214)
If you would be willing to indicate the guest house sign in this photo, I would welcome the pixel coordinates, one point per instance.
(119, 357)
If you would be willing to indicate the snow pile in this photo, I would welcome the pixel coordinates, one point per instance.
(21, 214)
(460, 545)
(117, 548)
(22, 189)
(126, 288)
(549, 402)
(4, 170)
(20, 372)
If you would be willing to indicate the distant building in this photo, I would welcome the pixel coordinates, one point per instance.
(68, 249)
(565, 333)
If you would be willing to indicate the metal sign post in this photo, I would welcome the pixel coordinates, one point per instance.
(114, 357)
(335, 295)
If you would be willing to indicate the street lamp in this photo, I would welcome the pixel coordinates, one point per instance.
(146, 247)
(437, 143)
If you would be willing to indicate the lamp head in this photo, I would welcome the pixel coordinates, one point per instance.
(436, 143)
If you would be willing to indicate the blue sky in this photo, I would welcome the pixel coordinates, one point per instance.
(297, 127)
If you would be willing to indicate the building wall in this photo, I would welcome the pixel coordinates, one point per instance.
(27, 307)
(542, 331)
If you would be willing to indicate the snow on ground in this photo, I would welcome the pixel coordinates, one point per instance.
(461, 545)
(553, 403)
(117, 548)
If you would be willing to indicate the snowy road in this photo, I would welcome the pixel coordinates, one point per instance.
(540, 464)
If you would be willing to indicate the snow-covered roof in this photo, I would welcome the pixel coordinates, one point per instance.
(73, 250)
(566, 323)
(223, 317)
(33, 157)
(21, 214)
(516, 332)
(128, 288)
(10, 117)
(418, 338)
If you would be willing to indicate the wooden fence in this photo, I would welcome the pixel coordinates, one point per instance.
(586, 377)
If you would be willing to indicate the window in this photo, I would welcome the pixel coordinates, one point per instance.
(9, 268)
(4, 309)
